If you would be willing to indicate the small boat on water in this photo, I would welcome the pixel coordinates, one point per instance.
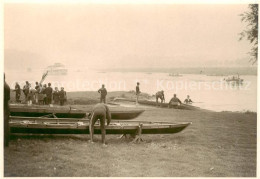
(153, 103)
(175, 74)
(234, 79)
(81, 126)
(66, 112)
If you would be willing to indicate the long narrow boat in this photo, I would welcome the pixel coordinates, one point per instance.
(66, 112)
(81, 126)
(153, 103)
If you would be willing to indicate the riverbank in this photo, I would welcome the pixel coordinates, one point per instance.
(217, 144)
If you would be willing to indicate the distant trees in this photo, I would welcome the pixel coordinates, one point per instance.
(251, 31)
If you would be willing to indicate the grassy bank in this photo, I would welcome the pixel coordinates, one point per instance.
(216, 144)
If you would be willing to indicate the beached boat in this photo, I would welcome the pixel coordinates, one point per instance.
(66, 112)
(153, 103)
(81, 126)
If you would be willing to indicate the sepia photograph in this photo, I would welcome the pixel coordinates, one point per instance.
(129, 89)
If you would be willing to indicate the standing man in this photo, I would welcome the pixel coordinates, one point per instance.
(137, 92)
(26, 89)
(101, 112)
(103, 93)
(6, 113)
(37, 88)
(17, 92)
(48, 92)
(160, 94)
(62, 96)
(175, 102)
(56, 97)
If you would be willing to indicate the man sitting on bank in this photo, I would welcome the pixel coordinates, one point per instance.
(174, 102)
(160, 94)
(101, 112)
(188, 100)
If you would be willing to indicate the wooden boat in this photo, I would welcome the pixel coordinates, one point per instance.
(81, 126)
(66, 112)
(153, 103)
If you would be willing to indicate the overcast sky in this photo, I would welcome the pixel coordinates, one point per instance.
(109, 36)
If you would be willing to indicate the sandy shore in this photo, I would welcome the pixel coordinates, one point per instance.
(216, 144)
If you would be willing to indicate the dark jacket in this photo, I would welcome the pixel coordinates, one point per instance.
(48, 92)
(62, 95)
(17, 89)
(103, 92)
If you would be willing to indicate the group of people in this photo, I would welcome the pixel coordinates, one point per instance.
(43, 94)
(174, 102)
(40, 94)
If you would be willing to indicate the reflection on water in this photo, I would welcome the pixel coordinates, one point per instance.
(209, 92)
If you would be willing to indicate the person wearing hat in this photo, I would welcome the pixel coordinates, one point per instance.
(137, 92)
(174, 102)
(100, 111)
(160, 95)
(188, 100)
(62, 96)
(103, 94)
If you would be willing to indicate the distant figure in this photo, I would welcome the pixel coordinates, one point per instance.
(44, 94)
(175, 102)
(41, 95)
(26, 89)
(62, 96)
(160, 95)
(188, 100)
(56, 97)
(37, 88)
(6, 113)
(17, 92)
(101, 112)
(137, 92)
(30, 97)
(48, 92)
(103, 93)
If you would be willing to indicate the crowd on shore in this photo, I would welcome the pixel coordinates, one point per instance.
(40, 94)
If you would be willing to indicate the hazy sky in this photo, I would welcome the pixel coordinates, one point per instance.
(81, 35)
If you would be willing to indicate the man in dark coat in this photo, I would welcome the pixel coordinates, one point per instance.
(175, 102)
(101, 112)
(48, 92)
(137, 92)
(6, 113)
(62, 96)
(17, 92)
(103, 93)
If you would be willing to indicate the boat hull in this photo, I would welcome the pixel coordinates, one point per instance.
(67, 112)
(81, 126)
(153, 103)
